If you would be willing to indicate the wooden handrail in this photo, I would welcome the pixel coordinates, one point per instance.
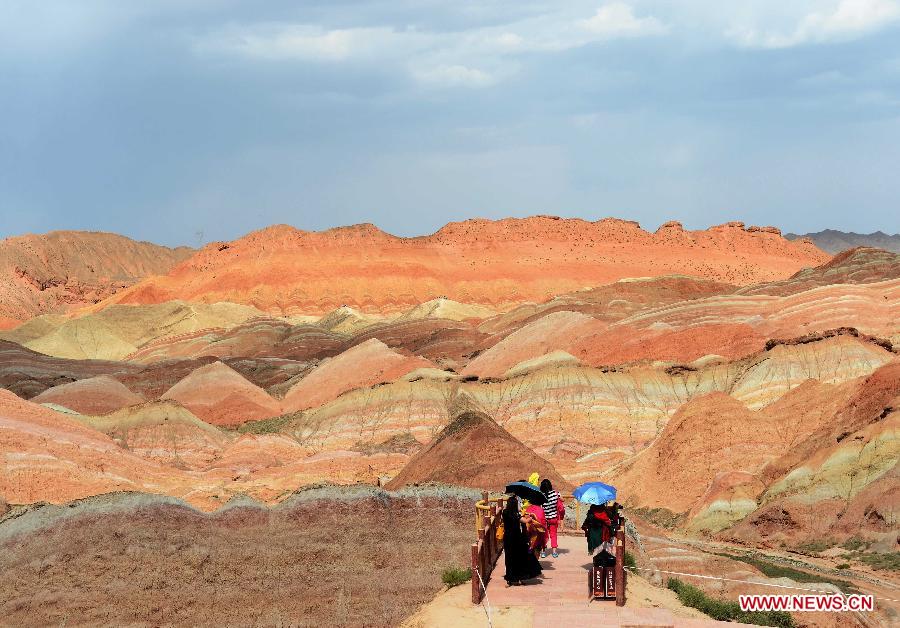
(486, 550)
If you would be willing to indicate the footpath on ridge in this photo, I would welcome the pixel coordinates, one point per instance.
(560, 598)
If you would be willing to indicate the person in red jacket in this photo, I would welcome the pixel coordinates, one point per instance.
(598, 528)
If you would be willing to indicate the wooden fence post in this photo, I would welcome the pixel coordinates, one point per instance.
(489, 539)
(476, 589)
(620, 567)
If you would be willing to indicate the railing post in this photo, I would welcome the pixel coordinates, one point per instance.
(476, 588)
(620, 567)
(489, 537)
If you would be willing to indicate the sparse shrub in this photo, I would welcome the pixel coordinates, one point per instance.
(662, 517)
(454, 576)
(816, 547)
(885, 562)
(844, 566)
(854, 543)
(273, 425)
(629, 560)
(724, 610)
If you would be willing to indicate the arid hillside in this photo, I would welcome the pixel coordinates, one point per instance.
(331, 556)
(497, 264)
(62, 270)
(725, 401)
(472, 450)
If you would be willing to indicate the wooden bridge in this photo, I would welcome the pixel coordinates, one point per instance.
(572, 566)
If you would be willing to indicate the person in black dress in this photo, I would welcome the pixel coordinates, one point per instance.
(521, 564)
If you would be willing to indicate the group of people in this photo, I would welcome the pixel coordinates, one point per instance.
(530, 529)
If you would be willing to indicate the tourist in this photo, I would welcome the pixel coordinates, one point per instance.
(536, 527)
(598, 528)
(554, 513)
(521, 564)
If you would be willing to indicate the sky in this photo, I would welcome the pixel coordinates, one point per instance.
(189, 121)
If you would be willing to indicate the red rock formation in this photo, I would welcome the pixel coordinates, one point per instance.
(472, 450)
(493, 263)
(62, 270)
(93, 396)
(855, 266)
(219, 395)
(364, 365)
(51, 457)
(163, 432)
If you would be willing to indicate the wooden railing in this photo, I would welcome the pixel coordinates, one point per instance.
(486, 551)
(620, 567)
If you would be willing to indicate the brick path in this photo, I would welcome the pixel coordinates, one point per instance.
(560, 598)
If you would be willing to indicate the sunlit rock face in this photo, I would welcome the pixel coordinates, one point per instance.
(362, 366)
(598, 411)
(219, 395)
(118, 331)
(730, 326)
(496, 264)
(62, 270)
(163, 432)
(48, 456)
(94, 395)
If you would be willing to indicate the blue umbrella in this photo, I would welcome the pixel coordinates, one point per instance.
(595, 493)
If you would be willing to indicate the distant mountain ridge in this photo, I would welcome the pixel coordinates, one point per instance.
(496, 264)
(833, 241)
(62, 270)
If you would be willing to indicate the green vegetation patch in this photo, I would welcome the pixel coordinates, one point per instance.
(274, 425)
(662, 517)
(724, 610)
(816, 547)
(855, 543)
(454, 576)
(629, 559)
(773, 570)
(885, 562)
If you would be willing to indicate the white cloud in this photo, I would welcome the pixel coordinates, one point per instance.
(453, 76)
(303, 42)
(618, 20)
(480, 56)
(849, 19)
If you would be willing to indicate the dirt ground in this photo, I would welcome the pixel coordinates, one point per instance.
(340, 559)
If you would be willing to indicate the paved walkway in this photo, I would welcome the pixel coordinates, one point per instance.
(560, 598)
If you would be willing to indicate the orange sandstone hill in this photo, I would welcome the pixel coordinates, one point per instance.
(60, 270)
(480, 262)
(473, 451)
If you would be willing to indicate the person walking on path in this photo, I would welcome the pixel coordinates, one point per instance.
(536, 527)
(598, 528)
(554, 513)
(521, 563)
